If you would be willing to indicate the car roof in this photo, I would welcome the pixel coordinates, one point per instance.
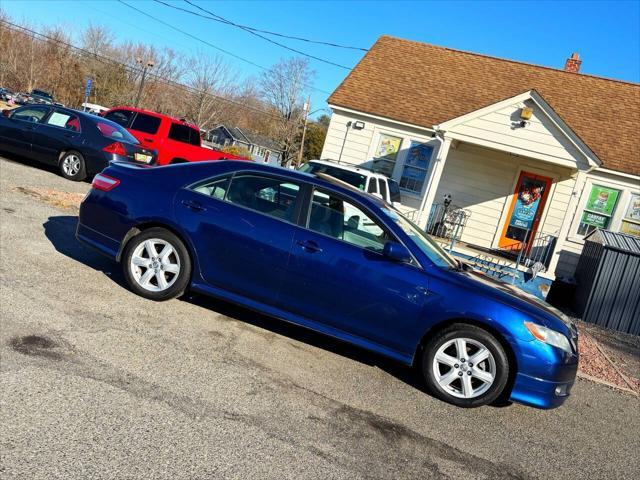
(155, 114)
(351, 168)
(321, 180)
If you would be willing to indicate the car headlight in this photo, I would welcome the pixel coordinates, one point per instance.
(548, 336)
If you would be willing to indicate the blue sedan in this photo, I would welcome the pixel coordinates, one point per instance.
(316, 252)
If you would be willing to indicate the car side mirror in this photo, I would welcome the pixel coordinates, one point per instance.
(7, 112)
(396, 252)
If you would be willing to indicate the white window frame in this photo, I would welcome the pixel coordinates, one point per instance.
(405, 165)
(618, 212)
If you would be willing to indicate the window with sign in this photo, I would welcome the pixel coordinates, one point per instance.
(384, 158)
(599, 209)
(414, 171)
(631, 220)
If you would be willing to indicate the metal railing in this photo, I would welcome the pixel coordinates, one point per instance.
(534, 253)
(447, 221)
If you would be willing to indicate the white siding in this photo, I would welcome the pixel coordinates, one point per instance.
(540, 136)
(482, 181)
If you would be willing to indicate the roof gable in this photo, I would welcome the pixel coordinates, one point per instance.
(425, 85)
(545, 136)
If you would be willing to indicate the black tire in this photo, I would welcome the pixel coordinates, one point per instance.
(498, 362)
(67, 166)
(179, 256)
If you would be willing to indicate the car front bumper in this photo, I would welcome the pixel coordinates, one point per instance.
(545, 374)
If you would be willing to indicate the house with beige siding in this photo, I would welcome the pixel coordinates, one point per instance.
(499, 159)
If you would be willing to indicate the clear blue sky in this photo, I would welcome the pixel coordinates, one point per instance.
(606, 34)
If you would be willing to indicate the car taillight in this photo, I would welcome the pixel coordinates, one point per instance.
(104, 182)
(116, 148)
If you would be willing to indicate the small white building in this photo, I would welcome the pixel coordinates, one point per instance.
(534, 156)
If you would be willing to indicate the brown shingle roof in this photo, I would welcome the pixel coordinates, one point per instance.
(427, 85)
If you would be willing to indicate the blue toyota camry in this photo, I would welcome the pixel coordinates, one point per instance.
(316, 252)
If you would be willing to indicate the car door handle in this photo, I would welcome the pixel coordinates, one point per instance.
(309, 246)
(195, 206)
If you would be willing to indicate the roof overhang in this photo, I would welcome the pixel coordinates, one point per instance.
(451, 128)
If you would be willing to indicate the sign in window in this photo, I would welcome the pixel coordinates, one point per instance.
(631, 220)
(599, 209)
(386, 153)
(416, 165)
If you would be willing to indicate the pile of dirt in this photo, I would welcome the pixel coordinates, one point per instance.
(63, 200)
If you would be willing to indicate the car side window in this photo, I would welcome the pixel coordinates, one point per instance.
(215, 188)
(64, 120)
(30, 114)
(146, 123)
(184, 134)
(372, 186)
(341, 219)
(271, 196)
(121, 117)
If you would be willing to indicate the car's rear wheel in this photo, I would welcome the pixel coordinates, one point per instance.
(465, 365)
(72, 166)
(156, 264)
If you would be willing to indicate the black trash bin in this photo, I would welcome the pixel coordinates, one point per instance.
(608, 278)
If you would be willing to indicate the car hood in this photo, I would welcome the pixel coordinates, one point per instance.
(520, 299)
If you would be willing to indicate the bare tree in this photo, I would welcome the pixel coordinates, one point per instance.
(283, 86)
(212, 80)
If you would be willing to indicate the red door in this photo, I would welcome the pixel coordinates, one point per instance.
(525, 211)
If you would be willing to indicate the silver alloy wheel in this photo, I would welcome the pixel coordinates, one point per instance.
(155, 265)
(464, 368)
(71, 165)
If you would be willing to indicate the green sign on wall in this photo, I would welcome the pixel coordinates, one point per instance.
(602, 200)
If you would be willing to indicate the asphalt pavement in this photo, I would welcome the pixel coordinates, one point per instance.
(96, 382)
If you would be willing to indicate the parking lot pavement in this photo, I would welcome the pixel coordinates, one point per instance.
(99, 383)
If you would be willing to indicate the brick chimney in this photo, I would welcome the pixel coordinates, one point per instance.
(573, 63)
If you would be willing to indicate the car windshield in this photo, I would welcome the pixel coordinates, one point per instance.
(425, 243)
(115, 131)
(352, 178)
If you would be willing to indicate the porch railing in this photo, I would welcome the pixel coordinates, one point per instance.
(447, 221)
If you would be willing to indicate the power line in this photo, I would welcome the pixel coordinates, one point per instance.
(214, 46)
(130, 68)
(267, 32)
(252, 31)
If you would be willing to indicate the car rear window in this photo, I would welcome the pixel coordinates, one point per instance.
(352, 178)
(64, 120)
(115, 131)
(184, 134)
(146, 123)
(121, 117)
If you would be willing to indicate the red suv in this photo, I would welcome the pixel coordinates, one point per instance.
(176, 141)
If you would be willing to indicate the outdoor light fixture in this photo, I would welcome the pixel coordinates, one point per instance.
(358, 125)
(526, 113)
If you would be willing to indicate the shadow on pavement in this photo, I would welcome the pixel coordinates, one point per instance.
(61, 230)
(27, 162)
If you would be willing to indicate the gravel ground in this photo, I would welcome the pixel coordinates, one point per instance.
(96, 382)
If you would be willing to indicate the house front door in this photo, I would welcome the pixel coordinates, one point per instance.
(525, 211)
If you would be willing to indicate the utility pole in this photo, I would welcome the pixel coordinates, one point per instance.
(306, 108)
(147, 64)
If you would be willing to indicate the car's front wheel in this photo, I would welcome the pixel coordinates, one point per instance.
(156, 264)
(465, 365)
(72, 166)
